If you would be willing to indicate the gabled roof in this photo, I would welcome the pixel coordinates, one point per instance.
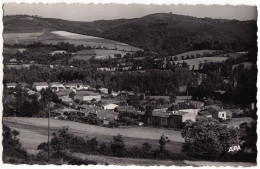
(56, 83)
(159, 114)
(181, 106)
(40, 84)
(180, 113)
(11, 84)
(183, 97)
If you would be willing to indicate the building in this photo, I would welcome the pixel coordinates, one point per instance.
(40, 85)
(128, 109)
(24, 85)
(217, 112)
(11, 85)
(158, 118)
(103, 90)
(76, 86)
(176, 120)
(58, 52)
(184, 107)
(56, 86)
(179, 99)
(197, 104)
(87, 96)
(166, 98)
(205, 113)
(110, 106)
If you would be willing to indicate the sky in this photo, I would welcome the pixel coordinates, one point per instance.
(91, 12)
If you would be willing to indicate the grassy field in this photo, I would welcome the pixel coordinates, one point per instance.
(34, 131)
(195, 52)
(197, 61)
(98, 54)
(55, 37)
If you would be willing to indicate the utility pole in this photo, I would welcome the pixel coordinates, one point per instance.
(49, 133)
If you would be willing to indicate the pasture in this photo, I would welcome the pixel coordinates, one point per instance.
(197, 61)
(98, 54)
(194, 53)
(34, 130)
(55, 37)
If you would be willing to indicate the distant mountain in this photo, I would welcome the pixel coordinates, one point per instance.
(167, 34)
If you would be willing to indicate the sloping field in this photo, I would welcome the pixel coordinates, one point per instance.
(197, 61)
(35, 130)
(55, 37)
(194, 53)
(98, 54)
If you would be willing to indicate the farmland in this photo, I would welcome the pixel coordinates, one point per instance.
(98, 54)
(194, 53)
(197, 61)
(55, 37)
(34, 130)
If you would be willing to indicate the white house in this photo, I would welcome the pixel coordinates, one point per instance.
(217, 112)
(40, 85)
(56, 86)
(77, 86)
(11, 85)
(110, 106)
(103, 90)
(183, 107)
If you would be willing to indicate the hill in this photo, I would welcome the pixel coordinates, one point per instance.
(167, 34)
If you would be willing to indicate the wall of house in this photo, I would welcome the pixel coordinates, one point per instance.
(194, 111)
(39, 88)
(89, 98)
(189, 116)
(222, 115)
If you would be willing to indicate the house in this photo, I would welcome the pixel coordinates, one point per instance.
(182, 99)
(110, 106)
(58, 52)
(158, 118)
(76, 86)
(217, 112)
(128, 109)
(229, 114)
(87, 96)
(184, 107)
(197, 104)
(126, 93)
(177, 119)
(166, 98)
(205, 113)
(56, 86)
(24, 85)
(103, 90)
(13, 60)
(105, 115)
(11, 85)
(40, 85)
(163, 107)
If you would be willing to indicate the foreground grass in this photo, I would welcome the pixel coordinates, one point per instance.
(33, 131)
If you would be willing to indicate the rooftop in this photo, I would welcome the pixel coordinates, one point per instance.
(183, 97)
(40, 84)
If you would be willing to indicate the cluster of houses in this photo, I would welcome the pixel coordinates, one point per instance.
(171, 115)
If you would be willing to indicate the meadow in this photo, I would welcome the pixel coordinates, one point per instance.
(34, 131)
(190, 53)
(197, 61)
(54, 37)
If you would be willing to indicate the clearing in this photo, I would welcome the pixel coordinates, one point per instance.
(194, 53)
(55, 37)
(197, 61)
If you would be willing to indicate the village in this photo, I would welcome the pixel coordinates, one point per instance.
(78, 102)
